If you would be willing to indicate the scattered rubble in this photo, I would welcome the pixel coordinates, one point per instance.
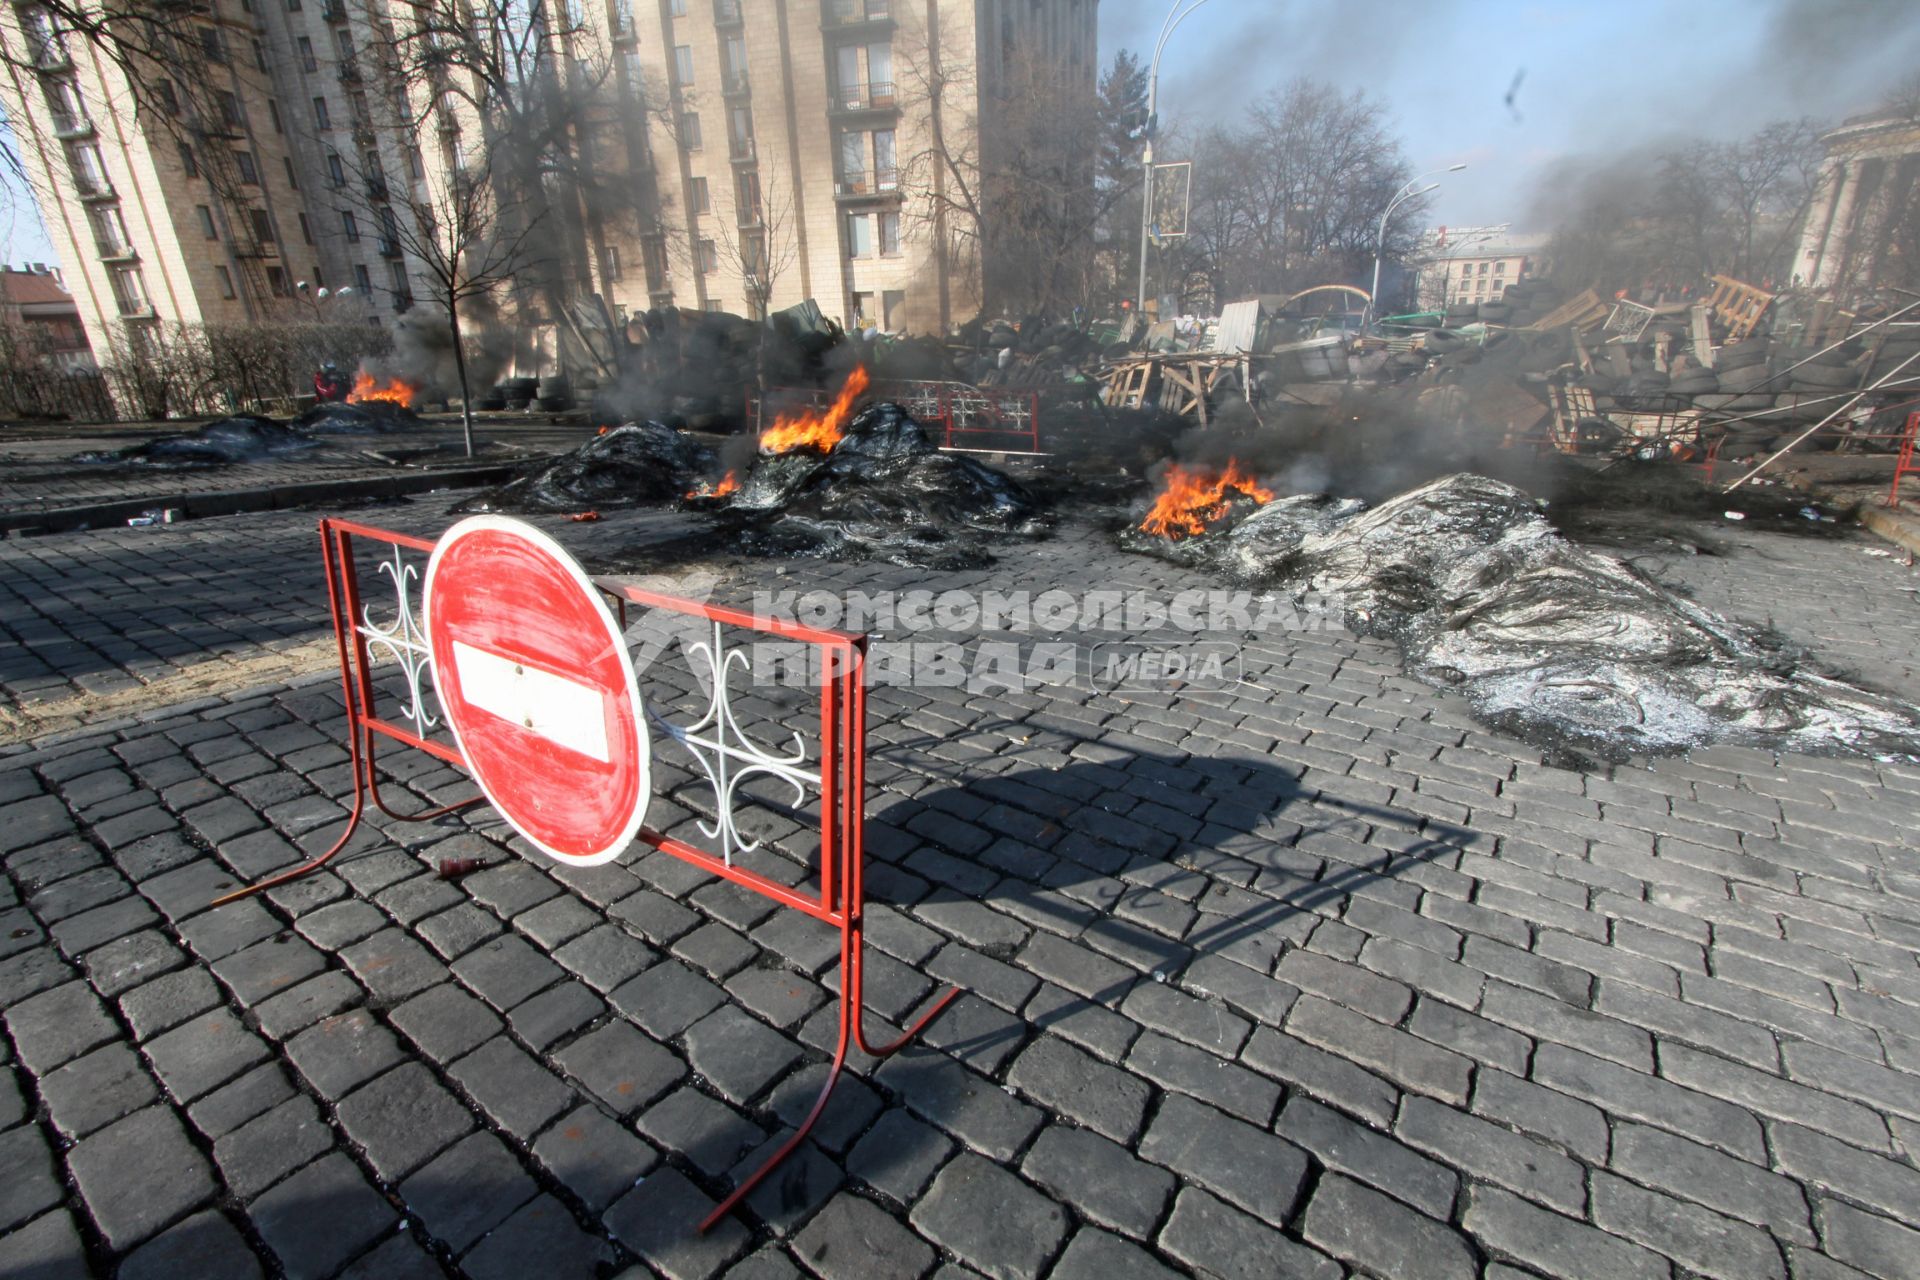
(244, 438)
(631, 464)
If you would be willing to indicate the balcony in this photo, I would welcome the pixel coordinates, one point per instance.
(841, 14)
(112, 253)
(387, 246)
(264, 249)
(735, 84)
(334, 11)
(132, 309)
(726, 13)
(94, 190)
(881, 182)
(72, 128)
(350, 72)
(362, 130)
(741, 150)
(50, 57)
(622, 31)
(878, 96)
(376, 188)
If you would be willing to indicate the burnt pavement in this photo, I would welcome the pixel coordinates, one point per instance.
(1307, 975)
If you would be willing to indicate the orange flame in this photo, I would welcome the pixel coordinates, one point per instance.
(809, 430)
(727, 485)
(1193, 500)
(366, 388)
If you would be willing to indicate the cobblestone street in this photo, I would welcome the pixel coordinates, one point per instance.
(1310, 975)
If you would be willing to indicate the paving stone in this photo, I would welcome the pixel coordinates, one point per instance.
(79, 934)
(1094, 1254)
(232, 1105)
(1333, 1080)
(1818, 1161)
(1509, 1226)
(267, 968)
(96, 1090)
(1624, 1092)
(340, 924)
(138, 1175)
(989, 1219)
(467, 1191)
(1400, 1057)
(267, 1148)
(667, 999)
(1769, 1095)
(555, 1014)
(1185, 1069)
(1380, 1235)
(794, 1192)
(300, 1007)
(709, 1134)
(540, 1237)
(402, 1119)
(446, 1022)
(1217, 1240)
(1487, 1151)
(511, 1088)
(966, 1105)
(310, 1245)
(1093, 1027)
(621, 1067)
(58, 1026)
(213, 934)
(455, 932)
(340, 1053)
(31, 1185)
(1548, 1019)
(127, 962)
(1471, 1036)
(594, 1157)
(48, 1248)
(652, 1221)
(1697, 1238)
(1100, 1179)
(204, 1053)
(205, 1245)
(1879, 1246)
(1237, 1161)
(1543, 1112)
(605, 957)
(737, 1054)
(1076, 968)
(1066, 1080)
(1346, 984)
(1353, 1149)
(849, 1112)
(853, 1239)
(393, 966)
(899, 1155)
(1734, 1187)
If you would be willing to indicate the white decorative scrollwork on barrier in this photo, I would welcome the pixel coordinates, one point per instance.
(403, 640)
(727, 755)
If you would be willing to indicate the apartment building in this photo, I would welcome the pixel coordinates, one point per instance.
(1476, 270)
(737, 155)
(212, 198)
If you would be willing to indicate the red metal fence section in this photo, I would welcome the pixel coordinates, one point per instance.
(722, 749)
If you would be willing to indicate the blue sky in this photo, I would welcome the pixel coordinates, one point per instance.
(1601, 78)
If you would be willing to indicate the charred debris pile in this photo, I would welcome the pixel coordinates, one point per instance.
(1564, 646)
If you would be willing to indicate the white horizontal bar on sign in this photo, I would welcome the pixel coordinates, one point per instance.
(565, 712)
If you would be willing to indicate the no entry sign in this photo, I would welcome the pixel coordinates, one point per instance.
(538, 688)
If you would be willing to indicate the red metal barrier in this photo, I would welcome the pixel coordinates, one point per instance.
(1906, 464)
(721, 749)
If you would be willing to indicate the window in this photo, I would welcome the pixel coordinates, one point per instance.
(362, 279)
(1483, 268)
(885, 176)
(187, 161)
(322, 118)
(304, 46)
(683, 64)
(293, 6)
(291, 180)
(889, 235)
(230, 111)
(129, 290)
(846, 61)
(416, 164)
(343, 41)
(880, 73)
(853, 160)
(350, 224)
(679, 9)
(697, 198)
(336, 172)
(709, 257)
(892, 303)
(262, 226)
(277, 283)
(859, 235)
(613, 262)
(306, 229)
(206, 222)
(736, 57)
(212, 44)
(690, 131)
(248, 173)
(164, 94)
(260, 55)
(109, 232)
(746, 197)
(714, 304)
(225, 279)
(273, 114)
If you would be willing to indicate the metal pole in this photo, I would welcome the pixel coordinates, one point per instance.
(1380, 241)
(1175, 16)
(1793, 443)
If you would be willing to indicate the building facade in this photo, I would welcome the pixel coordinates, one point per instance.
(1475, 272)
(1861, 227)
(737, 155)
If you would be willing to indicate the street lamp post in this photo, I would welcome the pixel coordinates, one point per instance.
(1380, 241)
(1181, 10)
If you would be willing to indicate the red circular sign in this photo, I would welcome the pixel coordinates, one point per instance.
(538, 688)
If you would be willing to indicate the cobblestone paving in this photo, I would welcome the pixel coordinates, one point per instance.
(1309, 976)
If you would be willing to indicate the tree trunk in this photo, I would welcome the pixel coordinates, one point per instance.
(460, 366)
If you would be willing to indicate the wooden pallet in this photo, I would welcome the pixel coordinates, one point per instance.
(1738, 305)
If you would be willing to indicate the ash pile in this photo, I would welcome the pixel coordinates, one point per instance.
(1560, 645)
(876, 489)
(620, 467)
(243, 438)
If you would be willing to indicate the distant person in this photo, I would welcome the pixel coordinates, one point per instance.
(330, 385)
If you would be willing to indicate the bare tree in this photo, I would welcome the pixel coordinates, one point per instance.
(763, 245)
